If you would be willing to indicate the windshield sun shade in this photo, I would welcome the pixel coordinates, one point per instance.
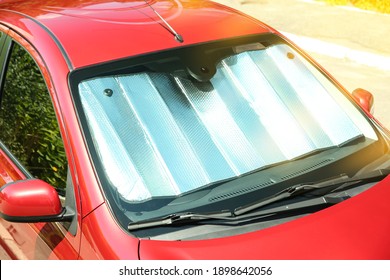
(165, 134)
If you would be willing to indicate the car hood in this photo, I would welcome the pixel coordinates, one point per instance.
(357, 228)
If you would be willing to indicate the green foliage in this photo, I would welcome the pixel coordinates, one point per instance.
(28, 125)
(382, 6)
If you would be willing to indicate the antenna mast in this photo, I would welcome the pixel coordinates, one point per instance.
(178, 37)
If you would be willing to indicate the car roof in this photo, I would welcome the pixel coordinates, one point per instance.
(93, 31)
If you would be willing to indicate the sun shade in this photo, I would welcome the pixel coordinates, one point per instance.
(165, 134)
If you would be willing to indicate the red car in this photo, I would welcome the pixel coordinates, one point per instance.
(180, 129)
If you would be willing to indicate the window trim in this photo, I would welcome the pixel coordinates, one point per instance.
(5, 45)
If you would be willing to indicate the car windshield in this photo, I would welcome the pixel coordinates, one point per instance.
(162, 131)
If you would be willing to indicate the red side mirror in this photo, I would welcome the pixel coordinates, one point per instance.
(29, 201)
(364, 98)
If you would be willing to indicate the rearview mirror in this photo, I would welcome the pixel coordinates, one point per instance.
(31, 201)
(364, 98)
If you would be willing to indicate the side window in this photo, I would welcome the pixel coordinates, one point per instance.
(28, 125)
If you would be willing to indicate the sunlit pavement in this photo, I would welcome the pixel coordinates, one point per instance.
(353, 45)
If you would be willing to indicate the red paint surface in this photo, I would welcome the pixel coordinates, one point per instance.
(94, 31)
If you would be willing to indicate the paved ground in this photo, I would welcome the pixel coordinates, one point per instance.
(353, 45)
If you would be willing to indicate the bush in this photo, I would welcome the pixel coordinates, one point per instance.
(28, 125)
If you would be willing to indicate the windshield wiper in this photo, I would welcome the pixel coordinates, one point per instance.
(317, 188)
(181, 218)
(325, 186)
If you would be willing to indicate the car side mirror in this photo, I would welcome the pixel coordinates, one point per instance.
(364, 98)
(32, 201)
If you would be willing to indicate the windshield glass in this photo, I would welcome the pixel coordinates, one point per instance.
(166, 134)
(216, 126)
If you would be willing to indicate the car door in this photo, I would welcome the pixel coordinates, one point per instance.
(31, 146)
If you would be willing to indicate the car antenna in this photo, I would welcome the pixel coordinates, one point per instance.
(167, 26)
